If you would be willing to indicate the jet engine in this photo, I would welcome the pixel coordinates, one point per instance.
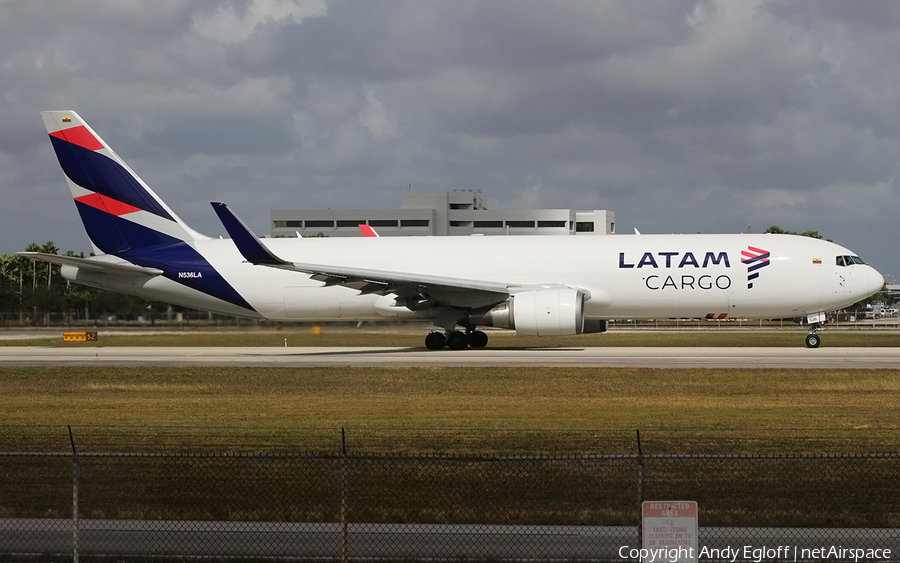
(548, 312)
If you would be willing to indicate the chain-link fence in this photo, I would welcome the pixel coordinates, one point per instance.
(339, 506)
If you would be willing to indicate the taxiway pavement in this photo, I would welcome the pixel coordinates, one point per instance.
(799, 357)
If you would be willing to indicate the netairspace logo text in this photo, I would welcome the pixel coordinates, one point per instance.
(749, 553)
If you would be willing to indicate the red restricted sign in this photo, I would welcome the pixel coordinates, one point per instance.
(670, 530)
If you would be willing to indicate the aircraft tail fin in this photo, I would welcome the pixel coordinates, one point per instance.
(120, 213)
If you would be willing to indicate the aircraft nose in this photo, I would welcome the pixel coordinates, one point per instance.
(875, 281)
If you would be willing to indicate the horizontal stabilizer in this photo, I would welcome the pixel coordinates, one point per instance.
(96, 264)
(249, 245)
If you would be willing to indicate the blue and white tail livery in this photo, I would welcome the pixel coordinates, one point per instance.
(119, 211)
(536, 285)
(130, 228)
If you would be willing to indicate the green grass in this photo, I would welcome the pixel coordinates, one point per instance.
(450, 409)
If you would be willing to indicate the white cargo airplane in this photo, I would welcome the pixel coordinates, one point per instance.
(536, 285)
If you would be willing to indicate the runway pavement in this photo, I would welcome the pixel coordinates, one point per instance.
(799, 357)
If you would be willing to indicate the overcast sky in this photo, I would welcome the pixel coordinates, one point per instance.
(679, 116)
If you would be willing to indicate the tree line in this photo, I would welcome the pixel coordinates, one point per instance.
(32, 291)
(776, 230)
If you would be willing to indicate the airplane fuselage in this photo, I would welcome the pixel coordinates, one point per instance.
(623, 276)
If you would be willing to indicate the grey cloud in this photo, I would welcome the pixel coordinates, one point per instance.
(691, 115)
(408, 39)
(219, 135)
(874, 16)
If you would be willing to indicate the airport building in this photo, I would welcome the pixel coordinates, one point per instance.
(451, 213)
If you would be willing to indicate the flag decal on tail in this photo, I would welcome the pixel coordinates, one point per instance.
(123, 217)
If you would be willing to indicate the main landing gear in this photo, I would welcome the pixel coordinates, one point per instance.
(456, 340)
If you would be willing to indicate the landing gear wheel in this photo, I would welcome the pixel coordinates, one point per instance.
(478, 339)
(813, 340)
(435, 341)
(457, 340)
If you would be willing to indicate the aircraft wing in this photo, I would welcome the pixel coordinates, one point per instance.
(96, 264)
(451, 291)
(455, 292)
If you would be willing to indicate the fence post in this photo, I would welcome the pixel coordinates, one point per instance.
(640, 488)
(345, 532)
(74, 497)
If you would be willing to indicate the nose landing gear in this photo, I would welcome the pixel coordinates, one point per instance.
(813, 340)
(815, 320)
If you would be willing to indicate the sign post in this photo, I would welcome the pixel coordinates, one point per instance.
(671, 525)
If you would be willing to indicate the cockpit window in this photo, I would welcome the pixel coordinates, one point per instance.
(849, 260)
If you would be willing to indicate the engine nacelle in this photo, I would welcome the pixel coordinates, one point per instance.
(548, 312)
